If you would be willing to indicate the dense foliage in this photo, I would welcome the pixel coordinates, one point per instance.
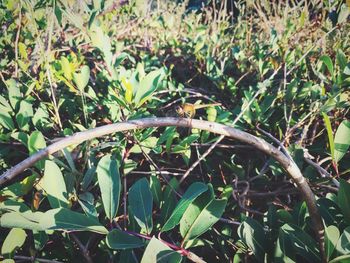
(278, 69)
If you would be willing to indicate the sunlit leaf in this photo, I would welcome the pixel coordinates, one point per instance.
(109, 181)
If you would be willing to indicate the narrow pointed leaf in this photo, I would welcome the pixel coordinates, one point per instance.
(192, 192)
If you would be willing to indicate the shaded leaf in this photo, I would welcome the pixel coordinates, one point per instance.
(117, 239)
(141, 203)
(65, 219)
(252, 234)
(192, 192)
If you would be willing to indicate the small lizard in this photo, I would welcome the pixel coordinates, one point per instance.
(189, 110)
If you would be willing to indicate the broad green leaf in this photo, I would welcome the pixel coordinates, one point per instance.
(302, 243)
(24, 113)
(147, 145)
(109, 181)
(14, 93)
(330, 211)
(36, 142)
(24, 220)
(156, 189)
(147, 86)
(192, 192)
(67, 68)
(344, 198)
(329, 133)
(157, 251)
(341, 140)
(117, 239)
(14, 239)
(328, 62)
(141, 203)
(331, 238)
(252, 234)
(6, 121)
(169, 199)
(86, 201)
(81, 79)
(200, 216)
(343, 245)
(284, 250)
(65, 219)
(54, 186)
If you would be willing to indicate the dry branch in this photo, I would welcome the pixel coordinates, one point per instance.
(213, 127)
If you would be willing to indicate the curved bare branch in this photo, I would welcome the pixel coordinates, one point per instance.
(260, 144)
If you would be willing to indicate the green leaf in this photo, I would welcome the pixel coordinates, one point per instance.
(147, 86)
(192, 192)
(169, 199)
(284, 251)
(24, 113)
(36, 142)
(14, 93)
(65, 219)
(344, 198)
(252, 234)
(301, 243)
(141, 203)
(109, 181)
(86, 201)
(82, 79)
(156, 189)
(327, 122)
(331, 239)
(24, 220)
(15, 239)
(341, 140)
(343, 245)
(117, 239)
(328, 62)
(200, 216)
(6, 121)
(341, 60)
(40, 239)
(54, 186)
(157, 251)
(67, 68)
